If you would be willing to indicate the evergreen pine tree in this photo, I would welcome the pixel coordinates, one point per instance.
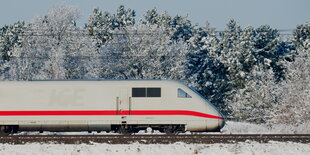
(10, 37)
(99, 26)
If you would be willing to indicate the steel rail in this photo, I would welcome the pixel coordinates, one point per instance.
(154, 139)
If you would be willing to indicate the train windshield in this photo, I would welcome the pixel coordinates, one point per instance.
(183, 94)
(205, 99)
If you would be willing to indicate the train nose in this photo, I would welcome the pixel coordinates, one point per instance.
(221, 123)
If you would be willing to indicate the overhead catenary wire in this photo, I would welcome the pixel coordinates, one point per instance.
(73, 32)
(94, 36)
(99, 56)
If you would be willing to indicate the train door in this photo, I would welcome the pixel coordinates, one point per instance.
(123, 103)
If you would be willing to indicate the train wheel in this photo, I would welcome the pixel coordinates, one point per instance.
(125, 130)
(173, 130)
(134, 130)
(170, 130)
(4, 134)
(6, 130)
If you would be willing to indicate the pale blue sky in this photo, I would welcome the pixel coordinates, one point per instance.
(281, 14)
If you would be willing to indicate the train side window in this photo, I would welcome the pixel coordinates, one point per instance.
(183, 94)
(153, 92)
(146, 92)
(138, 92)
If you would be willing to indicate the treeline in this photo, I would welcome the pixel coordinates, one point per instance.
(251, 74)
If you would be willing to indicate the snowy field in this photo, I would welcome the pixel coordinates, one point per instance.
(248, 128)
(245, 148)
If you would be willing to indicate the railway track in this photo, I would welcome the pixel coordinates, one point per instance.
(154, 139)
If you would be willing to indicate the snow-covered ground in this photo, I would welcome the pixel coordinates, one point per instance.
(180, 148)
(248, 128)
(246, 148)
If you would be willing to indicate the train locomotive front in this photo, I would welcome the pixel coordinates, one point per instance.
(209, 118)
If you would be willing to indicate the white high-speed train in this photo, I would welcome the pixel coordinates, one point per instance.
(124, 106)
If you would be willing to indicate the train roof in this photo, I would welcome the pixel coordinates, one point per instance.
(106, 80)
(102, 80)
(93, 80)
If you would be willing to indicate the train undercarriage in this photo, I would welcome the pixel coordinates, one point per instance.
(115, 128)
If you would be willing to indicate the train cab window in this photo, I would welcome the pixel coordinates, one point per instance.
(138, 92)
(183, 94)
(146, 92)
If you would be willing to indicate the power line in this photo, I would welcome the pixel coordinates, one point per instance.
(97, 32)
(104, 56)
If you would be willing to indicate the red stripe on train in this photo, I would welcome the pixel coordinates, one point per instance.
(107, 112)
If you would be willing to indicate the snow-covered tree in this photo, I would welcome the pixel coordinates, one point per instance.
(52, 48)
(137, 55)
(249, 54)
(255, 102)
(163, 20)
(152, 17)
(205, 72)
(294, 98)
(301, 34)
(266, 99)
(10, 37)
(270, 48)
(123, 18)
(178, 27)
(101, 24)
(182, 28)
(235, 54)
